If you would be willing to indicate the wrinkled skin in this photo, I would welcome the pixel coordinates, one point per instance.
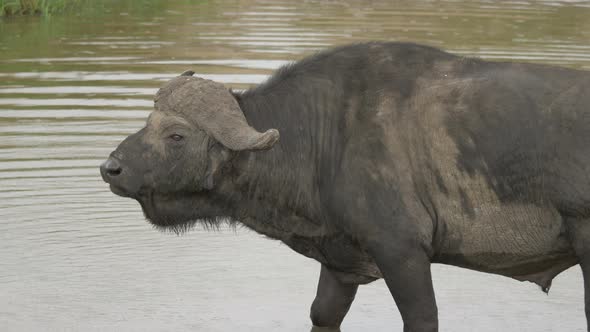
(391, 157)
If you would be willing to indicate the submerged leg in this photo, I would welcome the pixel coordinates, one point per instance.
(332, 301)
(579, 231)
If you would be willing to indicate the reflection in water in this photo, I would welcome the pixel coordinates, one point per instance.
(74, 256)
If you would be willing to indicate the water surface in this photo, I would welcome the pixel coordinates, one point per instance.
(75, 257)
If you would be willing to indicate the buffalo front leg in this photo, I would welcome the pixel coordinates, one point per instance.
(394, 229)
(579, 231)
(332, 301)
(407, 275)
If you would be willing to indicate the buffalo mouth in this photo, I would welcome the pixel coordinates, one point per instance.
(119, 191)
(129, 188)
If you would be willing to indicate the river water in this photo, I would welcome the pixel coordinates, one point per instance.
(75, 257)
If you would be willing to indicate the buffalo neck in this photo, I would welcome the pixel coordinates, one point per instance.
(280, 188)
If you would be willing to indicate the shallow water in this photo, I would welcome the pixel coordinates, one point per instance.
(73, 256)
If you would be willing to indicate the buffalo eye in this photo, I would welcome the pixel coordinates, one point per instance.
(176, 137)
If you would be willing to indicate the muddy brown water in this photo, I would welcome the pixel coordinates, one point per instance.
(74, 257)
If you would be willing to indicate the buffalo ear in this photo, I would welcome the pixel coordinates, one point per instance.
(218, 155)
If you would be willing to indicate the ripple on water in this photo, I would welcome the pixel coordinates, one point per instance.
(124, 76)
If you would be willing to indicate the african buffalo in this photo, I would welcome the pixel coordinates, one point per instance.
(391, 156)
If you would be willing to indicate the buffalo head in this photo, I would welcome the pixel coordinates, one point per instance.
(171, 166)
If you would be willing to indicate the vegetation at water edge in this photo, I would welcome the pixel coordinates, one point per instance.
(34, 7)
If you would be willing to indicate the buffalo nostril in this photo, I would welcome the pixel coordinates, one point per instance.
(111, 167)
(114, 172)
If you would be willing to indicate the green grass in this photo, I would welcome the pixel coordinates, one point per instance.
(34, 7)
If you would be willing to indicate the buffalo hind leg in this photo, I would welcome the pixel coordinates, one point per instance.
(579, 232)
(332, 301)
(407, 275)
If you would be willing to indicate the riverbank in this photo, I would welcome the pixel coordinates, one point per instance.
(35, 7)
